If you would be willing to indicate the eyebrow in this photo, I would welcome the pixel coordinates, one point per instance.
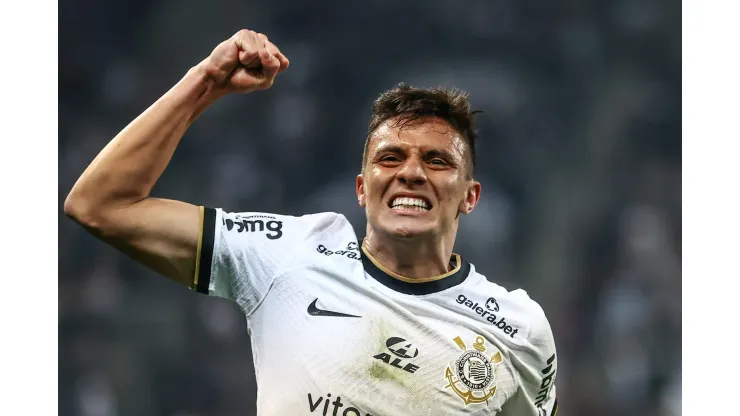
(390, 149)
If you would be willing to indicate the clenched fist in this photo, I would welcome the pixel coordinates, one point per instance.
(246, 62)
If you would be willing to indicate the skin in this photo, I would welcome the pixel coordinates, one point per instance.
(112, 197)
(427, 159)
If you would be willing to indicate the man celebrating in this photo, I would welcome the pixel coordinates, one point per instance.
(390, 324)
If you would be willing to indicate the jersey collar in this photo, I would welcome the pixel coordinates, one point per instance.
(408, 286)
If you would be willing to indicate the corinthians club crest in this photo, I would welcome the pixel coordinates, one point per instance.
(474, 373)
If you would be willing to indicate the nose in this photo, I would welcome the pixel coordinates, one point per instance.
(412, 172)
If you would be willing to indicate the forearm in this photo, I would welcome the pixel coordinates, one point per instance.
(128, 167)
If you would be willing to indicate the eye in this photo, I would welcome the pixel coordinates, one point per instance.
(389, 158)
(438, 161)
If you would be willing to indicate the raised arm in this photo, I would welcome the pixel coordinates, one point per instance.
(112, 197)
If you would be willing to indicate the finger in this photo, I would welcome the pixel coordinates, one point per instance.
(284, 62)
(238, 41)
(255, 40)
(246, 54)
(249, 59)
(237, 35)
(242, 39)
(270, 64)
(247, 40)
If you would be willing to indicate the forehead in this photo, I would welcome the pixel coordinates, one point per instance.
(426, 134)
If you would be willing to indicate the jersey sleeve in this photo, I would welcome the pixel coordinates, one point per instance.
(241, 253)
(537, 367)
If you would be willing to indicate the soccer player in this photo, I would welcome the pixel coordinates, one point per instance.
(384, 321)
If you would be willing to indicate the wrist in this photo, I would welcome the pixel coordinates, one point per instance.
(205, 83)
(196, 91)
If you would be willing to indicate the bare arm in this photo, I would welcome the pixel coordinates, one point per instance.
(112, 197)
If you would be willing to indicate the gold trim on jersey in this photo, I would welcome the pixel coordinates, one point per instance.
(457, 260)
(200, 247)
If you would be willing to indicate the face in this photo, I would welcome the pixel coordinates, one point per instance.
(415, 182)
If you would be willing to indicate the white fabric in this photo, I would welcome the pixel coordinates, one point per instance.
(401, 352)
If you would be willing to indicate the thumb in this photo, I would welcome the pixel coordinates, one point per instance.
(270, 64)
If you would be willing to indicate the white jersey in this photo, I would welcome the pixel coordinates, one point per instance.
(334, 333)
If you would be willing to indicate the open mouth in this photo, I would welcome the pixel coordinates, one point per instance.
(404, 203)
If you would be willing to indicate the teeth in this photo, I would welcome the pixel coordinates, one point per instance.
(409, 208)
(405, 202)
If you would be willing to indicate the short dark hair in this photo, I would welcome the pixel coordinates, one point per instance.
(407, 104)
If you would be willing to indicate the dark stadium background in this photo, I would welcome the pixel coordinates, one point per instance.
(580, 160)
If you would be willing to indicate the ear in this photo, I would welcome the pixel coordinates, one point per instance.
(360, 190)
(472, 195)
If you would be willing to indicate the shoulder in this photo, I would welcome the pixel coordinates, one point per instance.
(323, 222)
(541, 332)
(276, 226)
(534, 355)
(517, 306)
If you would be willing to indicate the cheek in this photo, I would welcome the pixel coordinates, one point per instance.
(450, 183)
(375, 183)
(454, 195)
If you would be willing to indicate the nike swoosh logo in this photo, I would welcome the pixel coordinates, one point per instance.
(313, 310)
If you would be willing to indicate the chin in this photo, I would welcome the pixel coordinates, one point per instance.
(406, 228)
(404, 234)
(409, 231)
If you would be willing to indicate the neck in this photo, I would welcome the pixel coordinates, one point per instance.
(410, 258)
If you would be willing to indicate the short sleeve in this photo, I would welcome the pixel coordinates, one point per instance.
(537, 367)
(240, 254)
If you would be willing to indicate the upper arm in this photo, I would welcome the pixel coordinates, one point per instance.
(242, 253)
(235, 255)
(161, 234)
(537, 366)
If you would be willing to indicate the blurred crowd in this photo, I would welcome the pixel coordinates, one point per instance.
(579, 157)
